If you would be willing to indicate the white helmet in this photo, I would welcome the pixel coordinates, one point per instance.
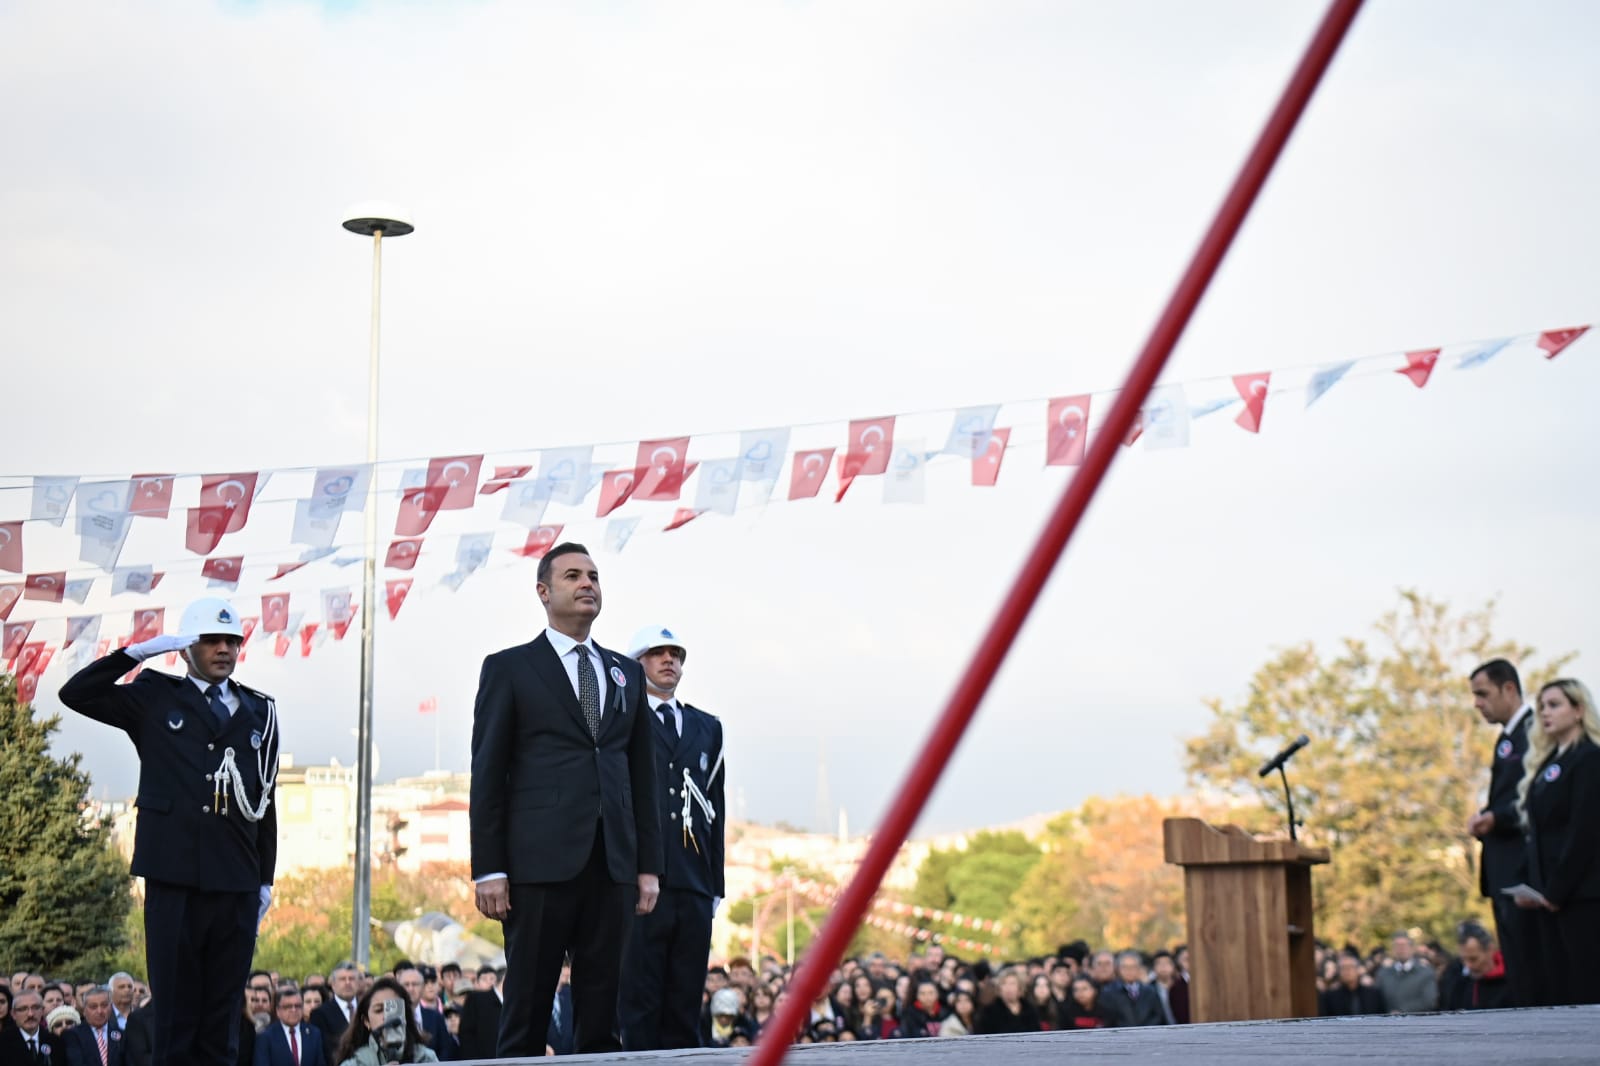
(652, 637)
(211, 616)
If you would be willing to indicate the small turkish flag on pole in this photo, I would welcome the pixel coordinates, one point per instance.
(540, 541)
(403, 554)
(615, 488)
(148, 624)
(659, 468)
(986, 464)
(11, 546)
(152, 495)
(1253, 389)
(457, 475)
(1067, 431)
(232, 493)
(807, 472)
(395, 593)
(47, 587)
(417, 508)
(1419, 365)
(1555, 341)
(205, 528)
(275, 612)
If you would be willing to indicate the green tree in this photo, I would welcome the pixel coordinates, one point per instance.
(64, 891)
(977, 880)
(1396, 763)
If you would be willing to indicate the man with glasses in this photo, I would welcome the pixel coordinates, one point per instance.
(29, 1043)
(289, 1041)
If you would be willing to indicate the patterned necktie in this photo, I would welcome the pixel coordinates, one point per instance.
(219, 710)
(588, 691)
(100, 1039)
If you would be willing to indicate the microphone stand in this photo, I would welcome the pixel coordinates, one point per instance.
(1289, 799)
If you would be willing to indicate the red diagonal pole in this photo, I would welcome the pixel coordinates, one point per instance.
(926, 769)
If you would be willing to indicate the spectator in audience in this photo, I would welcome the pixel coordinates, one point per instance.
(1349, 995)
(1010, 1012)
(925, 1015)
(333, 1017)
(122, 993)
(1408, 984)
(29, 1042)
(139, 1038)
(5, 1010)
(726, 1020)
(290, 1041)
(1129, 1001)
(1083, 1009)
(311, 997)
(1173, 988)
(360, 1045)
(1478, 981)
(1102, 968)
(429, 1021)
(962, 1019)
(95, 1041)
(480, 1020)
(1044, 1002)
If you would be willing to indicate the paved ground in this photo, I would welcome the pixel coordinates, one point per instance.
(1521, 1038)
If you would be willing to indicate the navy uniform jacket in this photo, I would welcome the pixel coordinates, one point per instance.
(541, 782)
(692, 866)
(1502, 863)
(182, 839)
(1563, 811)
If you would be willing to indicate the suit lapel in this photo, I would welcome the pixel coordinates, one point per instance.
(688, 740)
(618, 698)
(548, 668)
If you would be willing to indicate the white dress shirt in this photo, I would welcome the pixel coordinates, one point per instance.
(564, 646)
(230, 698)
(671, 708)
(1516, 719)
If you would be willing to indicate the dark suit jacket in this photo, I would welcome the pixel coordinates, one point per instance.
(1125, 1010)
(14, 1050)
(559, 1036)
(272, 1046)
(1563, 813)
(139, 1037)
(329, 1021)
(180, 838)
(440, 1042)
(691, 866)
(540, 782)
(480, 1025)
(1339, 1000)
(81, 1049)
(1501, 865)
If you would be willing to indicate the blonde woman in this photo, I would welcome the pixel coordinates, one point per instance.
(1560, 802)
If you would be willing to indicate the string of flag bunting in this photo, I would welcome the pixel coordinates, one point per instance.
(547, 492)
(826, 896)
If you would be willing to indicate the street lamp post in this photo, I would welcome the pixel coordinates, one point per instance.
(376, 221)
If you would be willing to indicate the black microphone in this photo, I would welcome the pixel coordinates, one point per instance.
(1284, 756)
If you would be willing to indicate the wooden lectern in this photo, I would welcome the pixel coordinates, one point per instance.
(1251, 941)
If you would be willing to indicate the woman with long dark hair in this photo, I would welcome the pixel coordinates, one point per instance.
(1044, 1003)
(364, 1043)
(1560, 802)
(1082, 1009)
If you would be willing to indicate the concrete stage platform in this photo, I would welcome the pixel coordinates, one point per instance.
(1512, 1037)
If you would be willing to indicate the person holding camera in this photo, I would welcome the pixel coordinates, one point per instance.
(383, 1030)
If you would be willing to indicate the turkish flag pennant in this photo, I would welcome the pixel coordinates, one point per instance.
(457, 475)
(681, 517)
(338, 629)
(807, 472)
(205, 529)
(491, 487)
(511, 473)
(986, 464)
(232, 493)
(659, 468)
(155, 579)
(394, 594)
(402, 554)
(1555, 341)
(13, 637)
(227, 569)
(275, 612)
(284, 570)
(307, 632)
(871, 441)
(171, 658)
(280, 645)
(1253, 390)
(1419, 365)
(103, 647)
(1068, 431)
(249, 627)
(152, 495)
(615, 488)
(417, 508)
(27, 689)
(9, 595)
(1135, 431)
(147, 624)
(46, 587)
(540, 541)
(11, 546)
(42, 663)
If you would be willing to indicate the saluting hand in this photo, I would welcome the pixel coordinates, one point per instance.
(649, 892)
(494, 898)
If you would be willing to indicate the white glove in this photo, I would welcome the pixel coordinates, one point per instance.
(149, 649)
(266, 901)
(716, 904)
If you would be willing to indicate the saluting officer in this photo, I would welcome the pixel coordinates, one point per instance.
(664, 979)
(207, 838)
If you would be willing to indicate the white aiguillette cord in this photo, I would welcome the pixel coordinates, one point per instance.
(230, 782)
(693, 795)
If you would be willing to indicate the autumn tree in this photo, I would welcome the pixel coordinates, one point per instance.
(1397, 761)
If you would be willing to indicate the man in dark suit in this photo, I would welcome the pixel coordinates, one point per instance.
(1129, 1000)
(289, 1040)
(96, 1041)
(480, 1023)
(333, 1017)
(665, 973)
(207, 836)
(27, 1042)
(1349, 995)
(1497, 694)
(429, 1021)
(566, 831)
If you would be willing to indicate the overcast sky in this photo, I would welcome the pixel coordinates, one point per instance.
(639, 221)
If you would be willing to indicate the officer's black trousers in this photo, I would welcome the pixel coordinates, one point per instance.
(664, 978)
(198, 950)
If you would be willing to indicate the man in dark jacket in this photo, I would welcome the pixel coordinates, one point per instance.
(926, 1015)
(1350, 996)
(1129, 1000)
(1497, 694)
(1478, 981)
